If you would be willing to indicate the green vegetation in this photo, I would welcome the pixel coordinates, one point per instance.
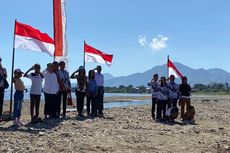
(215, 88)
(126, 89)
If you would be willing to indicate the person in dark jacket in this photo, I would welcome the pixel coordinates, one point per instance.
(185, 93)
(154, 86)
(3, 76)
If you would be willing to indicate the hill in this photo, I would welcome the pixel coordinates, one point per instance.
(204, 76)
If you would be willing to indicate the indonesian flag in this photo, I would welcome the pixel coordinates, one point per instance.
(172, 70)
(96, 56)
(27, 37)
(60, 38)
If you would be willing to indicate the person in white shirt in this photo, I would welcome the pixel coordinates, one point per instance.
(99, 77)
(173, 89)
(36, 89)
(154, 86)
(50, 91)
(162, 99)
(81, 77)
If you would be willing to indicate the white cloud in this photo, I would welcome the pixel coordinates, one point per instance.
(159, 42)
(142, 40)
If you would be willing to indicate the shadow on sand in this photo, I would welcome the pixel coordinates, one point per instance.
(33, 128)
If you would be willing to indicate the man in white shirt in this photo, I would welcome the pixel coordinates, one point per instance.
(100, 95)
(36, 89)
(50, 90)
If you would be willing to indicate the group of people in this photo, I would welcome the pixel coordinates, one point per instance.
(56, 88)
(167, 95)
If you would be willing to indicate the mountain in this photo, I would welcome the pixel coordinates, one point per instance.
(108, 76)
(204, 76)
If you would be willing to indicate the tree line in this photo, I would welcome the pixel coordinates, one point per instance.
(214, 88)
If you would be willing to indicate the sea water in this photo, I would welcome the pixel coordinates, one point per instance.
(27, 95)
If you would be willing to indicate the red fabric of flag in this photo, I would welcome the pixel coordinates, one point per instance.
(95, 55)
(28, 31)
(58, 33)
(173, 70)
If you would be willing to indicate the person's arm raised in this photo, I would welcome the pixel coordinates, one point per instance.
(26, 74)
(73, 74)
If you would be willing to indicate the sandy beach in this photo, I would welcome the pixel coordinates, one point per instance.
(124, 129)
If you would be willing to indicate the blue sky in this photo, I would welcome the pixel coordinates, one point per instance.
(195, 33)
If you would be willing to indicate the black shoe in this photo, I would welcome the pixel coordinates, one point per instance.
(80, 115)
(101, 116)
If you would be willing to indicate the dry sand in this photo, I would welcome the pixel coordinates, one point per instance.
(125, 129)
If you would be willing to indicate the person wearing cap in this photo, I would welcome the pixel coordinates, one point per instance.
(18, 96)
(99, 77)
(3, 76)
(81, 77)
(64, 88)
(35, 90)
(50, 91)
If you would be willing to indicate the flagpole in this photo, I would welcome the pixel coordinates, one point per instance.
(167, 66)
(84, 55)
(12, 70)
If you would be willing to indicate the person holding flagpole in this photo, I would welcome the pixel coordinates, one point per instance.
(81, 77)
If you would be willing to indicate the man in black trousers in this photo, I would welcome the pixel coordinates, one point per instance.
(99, 77)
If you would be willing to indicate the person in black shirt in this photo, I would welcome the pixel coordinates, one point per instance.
(185, 93)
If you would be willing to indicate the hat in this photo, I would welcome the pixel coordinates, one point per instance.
(18, 71)
(81, 67)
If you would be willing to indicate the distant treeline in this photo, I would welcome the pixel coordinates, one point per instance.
(212, 88)
(215, 88)
(126, 89)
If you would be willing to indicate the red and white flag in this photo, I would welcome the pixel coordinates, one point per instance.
(172, 70)
(27, 37)
(60, 37)
(94, 55)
